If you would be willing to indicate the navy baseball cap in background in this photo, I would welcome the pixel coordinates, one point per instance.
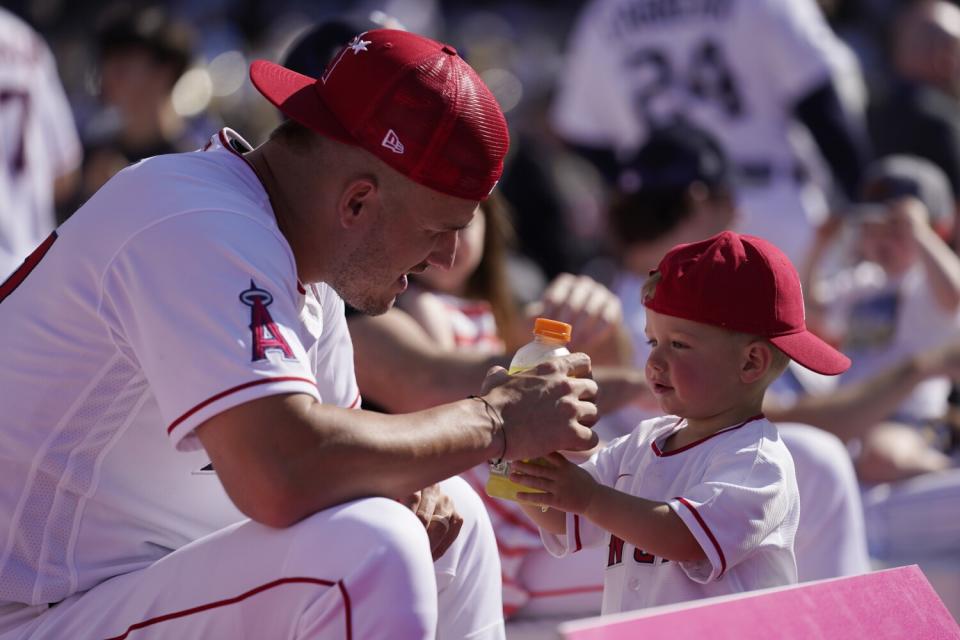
(315, 47)
(673, 158)
(897, 176)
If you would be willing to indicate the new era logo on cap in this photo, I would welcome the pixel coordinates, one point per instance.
(392, 142)
(444, 129)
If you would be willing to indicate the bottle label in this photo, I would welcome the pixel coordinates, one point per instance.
(501, 468)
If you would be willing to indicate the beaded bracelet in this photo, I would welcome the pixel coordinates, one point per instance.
(494, 416)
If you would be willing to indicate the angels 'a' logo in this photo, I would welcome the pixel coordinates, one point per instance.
(265, 334)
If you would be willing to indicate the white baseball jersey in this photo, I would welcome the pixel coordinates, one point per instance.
(38, 140)
(734, 68)
(168, 298)
(736, 492)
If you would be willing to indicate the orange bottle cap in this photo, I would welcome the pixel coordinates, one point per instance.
(553, 329)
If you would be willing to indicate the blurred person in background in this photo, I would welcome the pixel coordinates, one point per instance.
(898, 296)
(748, 72)
(141, 54)
(920, 115)
(39, 148)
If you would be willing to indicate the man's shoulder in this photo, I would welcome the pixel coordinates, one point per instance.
(174, 205)
(181, 183)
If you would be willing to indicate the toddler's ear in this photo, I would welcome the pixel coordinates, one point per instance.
(756, 360)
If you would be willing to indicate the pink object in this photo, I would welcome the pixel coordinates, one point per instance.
(893, 604)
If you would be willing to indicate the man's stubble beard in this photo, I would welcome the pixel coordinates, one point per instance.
(355, 278)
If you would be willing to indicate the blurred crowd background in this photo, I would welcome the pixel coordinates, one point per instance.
(147, 78)
(144, 79)
(152, 78)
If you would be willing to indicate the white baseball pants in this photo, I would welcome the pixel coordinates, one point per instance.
(356, 571)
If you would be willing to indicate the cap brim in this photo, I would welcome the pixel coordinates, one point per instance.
(813, 353)
(295, 95)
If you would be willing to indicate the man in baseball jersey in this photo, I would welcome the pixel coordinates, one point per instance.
(39, 148)
(920, 113)
(177, 358)
(746, 71)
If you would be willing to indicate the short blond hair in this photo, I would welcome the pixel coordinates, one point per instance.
(649, 288)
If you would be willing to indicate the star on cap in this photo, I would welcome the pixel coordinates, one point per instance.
(357, 45)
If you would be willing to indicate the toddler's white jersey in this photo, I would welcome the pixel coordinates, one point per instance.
(183, 302)
(735, 490)
(38, 140)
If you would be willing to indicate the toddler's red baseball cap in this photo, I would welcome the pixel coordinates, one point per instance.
(745, 284)
(411, 101)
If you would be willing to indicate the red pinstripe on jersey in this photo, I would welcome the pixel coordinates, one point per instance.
(356, 402)
(239, 387)
(713, 539)
(661, 454)
(17, 277)
(243, 596)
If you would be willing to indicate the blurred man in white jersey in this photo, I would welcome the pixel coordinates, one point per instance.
(39, 148)
(745, 71)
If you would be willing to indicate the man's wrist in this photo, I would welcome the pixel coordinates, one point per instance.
(498, 435)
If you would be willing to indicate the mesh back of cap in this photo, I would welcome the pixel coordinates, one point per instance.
(477, 142)
(453, 134)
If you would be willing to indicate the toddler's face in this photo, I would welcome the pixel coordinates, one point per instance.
(693, 368)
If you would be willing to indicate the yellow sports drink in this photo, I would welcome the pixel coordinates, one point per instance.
(550, 338)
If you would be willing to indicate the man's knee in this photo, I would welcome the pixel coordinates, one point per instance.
(383, 553)
(370, 525)
(475, 549)
(466, 501)
(476, 523)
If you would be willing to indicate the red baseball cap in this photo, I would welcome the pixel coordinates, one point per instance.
(745, 284)
(409, 100)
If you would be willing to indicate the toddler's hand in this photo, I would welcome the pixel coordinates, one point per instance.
(566, 486)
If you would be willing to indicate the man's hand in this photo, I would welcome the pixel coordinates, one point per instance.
(548, 408)
(566, 486)
(436, 511)
(592, 309)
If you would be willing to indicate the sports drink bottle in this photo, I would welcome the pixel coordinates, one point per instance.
(550, 338)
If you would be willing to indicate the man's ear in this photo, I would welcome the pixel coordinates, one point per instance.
(756, 360)
(359, 202)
